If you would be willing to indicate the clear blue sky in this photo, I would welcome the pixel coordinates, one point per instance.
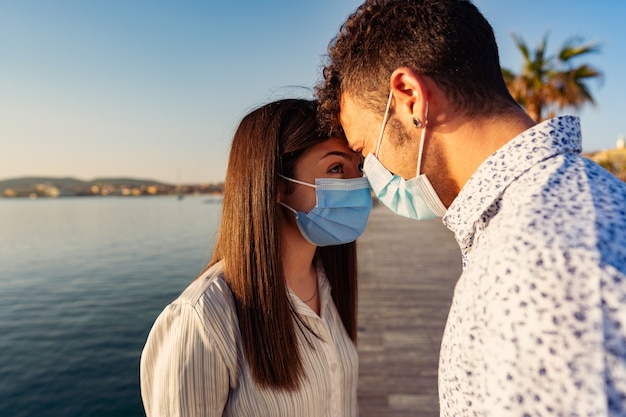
(154, 89)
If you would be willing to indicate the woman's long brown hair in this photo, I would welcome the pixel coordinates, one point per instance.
(268, 142)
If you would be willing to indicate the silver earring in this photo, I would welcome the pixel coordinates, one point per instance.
(417, 122)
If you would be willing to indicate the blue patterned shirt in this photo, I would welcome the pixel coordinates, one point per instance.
(537, 325)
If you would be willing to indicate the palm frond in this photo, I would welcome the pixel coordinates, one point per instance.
(549, 82)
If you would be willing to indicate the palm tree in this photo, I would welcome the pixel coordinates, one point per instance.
(549, 82)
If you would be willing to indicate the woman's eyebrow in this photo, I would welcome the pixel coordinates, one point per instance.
(344, 155)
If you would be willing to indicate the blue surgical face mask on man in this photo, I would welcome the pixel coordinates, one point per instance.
(340, 214)
(415, 198)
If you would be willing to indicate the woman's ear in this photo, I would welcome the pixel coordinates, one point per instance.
(281, 189)
(410, 94)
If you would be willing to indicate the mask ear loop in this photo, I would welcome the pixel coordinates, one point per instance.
(297, 181)
(422, 136)
(294, 211)
(382, 128)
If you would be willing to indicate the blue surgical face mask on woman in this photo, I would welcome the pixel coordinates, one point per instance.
(340, 214)
(415, 198)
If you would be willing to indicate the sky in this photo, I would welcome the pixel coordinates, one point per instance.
(154, 89)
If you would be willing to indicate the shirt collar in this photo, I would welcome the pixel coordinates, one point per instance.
(476, 200)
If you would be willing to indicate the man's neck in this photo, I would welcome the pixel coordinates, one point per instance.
(458, 150)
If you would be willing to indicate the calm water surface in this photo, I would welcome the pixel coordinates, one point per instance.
(81, 282)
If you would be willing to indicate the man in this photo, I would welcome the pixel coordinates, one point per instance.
(537, 325)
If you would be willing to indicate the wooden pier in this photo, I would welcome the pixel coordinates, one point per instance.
(407, 273)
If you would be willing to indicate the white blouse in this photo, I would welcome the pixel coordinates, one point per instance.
(193, 362)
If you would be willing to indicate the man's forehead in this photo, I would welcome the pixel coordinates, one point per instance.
(346, 109)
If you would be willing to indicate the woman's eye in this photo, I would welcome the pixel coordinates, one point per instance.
(336, 169)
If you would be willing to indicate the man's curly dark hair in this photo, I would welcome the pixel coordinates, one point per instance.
(447, 40)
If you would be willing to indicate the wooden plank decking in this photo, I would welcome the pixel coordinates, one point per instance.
(407, 273)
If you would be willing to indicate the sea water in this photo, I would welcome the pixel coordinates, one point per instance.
(81, 282)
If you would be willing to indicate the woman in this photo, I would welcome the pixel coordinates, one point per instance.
(269, 329)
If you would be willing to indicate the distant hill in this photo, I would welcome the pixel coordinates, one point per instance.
(70, 182)
(35, 187)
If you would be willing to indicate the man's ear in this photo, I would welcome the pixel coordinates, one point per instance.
(410, 94)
